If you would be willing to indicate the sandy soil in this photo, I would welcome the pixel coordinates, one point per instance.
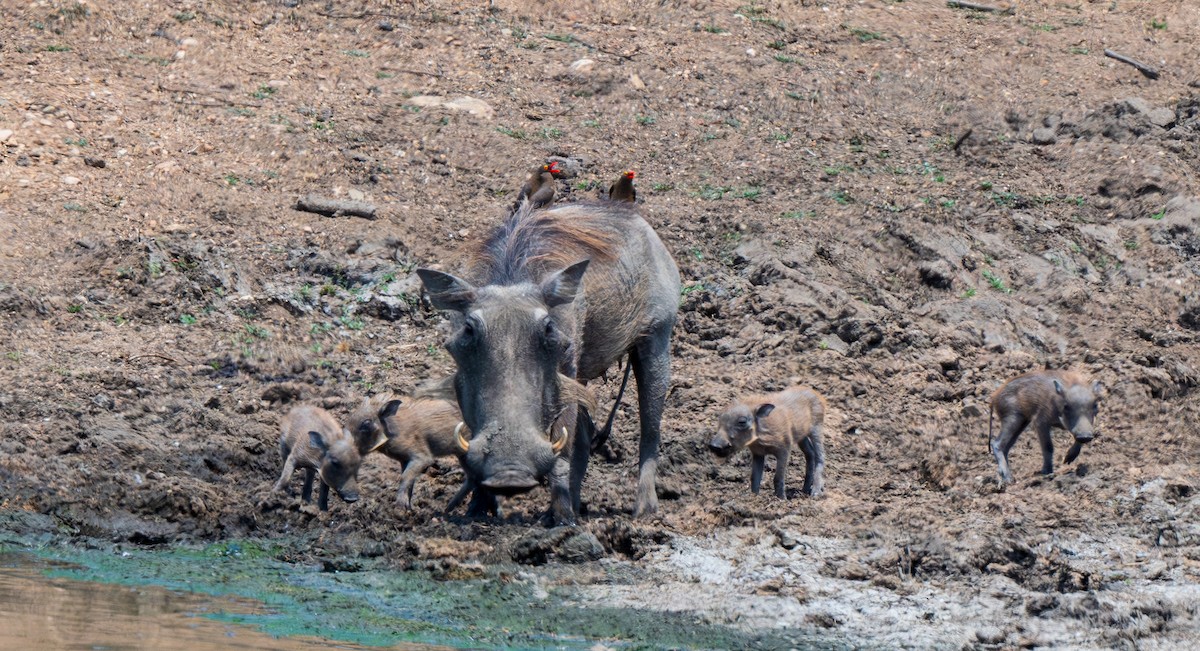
(898, 203)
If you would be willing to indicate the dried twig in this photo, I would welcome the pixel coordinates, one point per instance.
(412, 72)
(357, 16)
(978, 7)
(627, 57)
(206, 92)
(1141, 67)
(963, 138)
(335, 207)
(155, 355)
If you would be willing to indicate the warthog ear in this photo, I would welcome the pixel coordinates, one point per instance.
(560, 287)
(1098, 388)
(1058, 386)
(389, 409)
(441, 389)
(318, 442)
(763, 411)
(573, 391)
(447, 292)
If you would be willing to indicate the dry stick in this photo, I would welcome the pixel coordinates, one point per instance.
(335, 207)
(961, 139)
(412, 72)
(156, 355)
(1141, 67)
(978, 7)
(205, 92)
(627, 57)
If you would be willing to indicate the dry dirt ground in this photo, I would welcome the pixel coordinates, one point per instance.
(898, 203)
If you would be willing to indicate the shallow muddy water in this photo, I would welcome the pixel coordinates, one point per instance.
(43, 612)
(240, 595)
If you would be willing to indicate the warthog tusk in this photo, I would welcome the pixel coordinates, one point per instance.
(557, 443)
(464, 443)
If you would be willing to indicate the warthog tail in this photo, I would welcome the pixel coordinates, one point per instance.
(602, 435)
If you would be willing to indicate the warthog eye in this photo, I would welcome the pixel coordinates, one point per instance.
(743, 423)
(550, 333)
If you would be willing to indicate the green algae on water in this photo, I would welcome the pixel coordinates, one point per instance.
(378, 606)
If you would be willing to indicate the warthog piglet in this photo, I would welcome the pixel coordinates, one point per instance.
(774, 424)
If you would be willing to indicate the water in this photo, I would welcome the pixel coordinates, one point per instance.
(40, 612)
(241, 595)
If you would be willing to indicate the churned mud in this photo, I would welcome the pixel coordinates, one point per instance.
(899, 204)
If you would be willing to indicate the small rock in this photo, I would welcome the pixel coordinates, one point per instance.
(386, 26)
(1137, 105)
(936, 273)
(5, 134)
(70, 180)
(990, 635)
(787, 540)
(583, 66)
(1162, 117)
(189, 42)
(1044, 136)
(356, 195)
(92, 161)
(853, 572)
(103, 401)
(971, 411)
(581, 548)
(636, 82)
(23, 161)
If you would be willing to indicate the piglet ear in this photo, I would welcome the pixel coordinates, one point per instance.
(1058, 387)
(763, 411)
(1098, 388)
(317, 442)
(446, 291)
(389, 409)
(560, 287)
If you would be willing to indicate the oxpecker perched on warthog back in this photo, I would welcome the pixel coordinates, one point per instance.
(552, 298)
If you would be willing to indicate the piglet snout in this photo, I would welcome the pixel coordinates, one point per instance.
(721, 449)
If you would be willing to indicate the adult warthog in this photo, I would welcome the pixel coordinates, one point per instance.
(554, 296)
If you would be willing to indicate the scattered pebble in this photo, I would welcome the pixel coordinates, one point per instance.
(92, 161)
(990, 635)
(5, 134)
(70, 180)
(1044, 136)
(583, 66)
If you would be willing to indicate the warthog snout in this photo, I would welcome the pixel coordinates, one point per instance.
(349, 497)
(511, 481)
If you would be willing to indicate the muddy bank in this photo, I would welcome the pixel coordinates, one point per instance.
(850, 208)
